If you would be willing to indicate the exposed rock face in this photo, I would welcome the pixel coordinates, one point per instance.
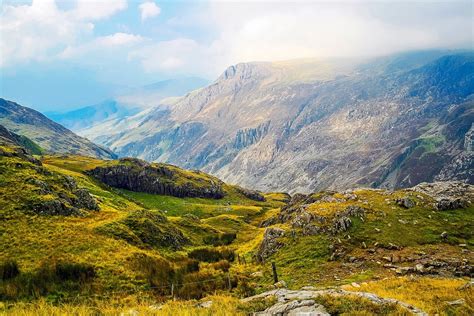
(448, 195)
(392, 122)
(292, 300)
(51, 136)
(251, 194)
(270, 243)
(140, 176)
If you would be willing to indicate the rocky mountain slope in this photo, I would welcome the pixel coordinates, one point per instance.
(308, 125)
(125, 104)
(51, 136)
(79, 238)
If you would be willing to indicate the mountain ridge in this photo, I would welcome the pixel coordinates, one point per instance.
(51, 136)
(255, 127)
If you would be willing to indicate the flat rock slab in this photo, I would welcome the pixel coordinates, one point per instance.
(301, 303)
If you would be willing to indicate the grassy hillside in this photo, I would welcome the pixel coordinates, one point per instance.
(134, 250)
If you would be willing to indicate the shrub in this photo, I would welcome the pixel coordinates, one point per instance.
(223, 265)
(212, 255)
(74, 271)
(9, 269)
(220, 240)
(158, 272)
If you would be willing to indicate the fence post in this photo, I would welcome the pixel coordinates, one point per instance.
(275, 275)
(228, 281)
(172, 290)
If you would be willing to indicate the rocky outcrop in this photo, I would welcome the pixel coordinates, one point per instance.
(448, 195)
(289, 301)
(251, 194)
(140, 176)
(270, 243)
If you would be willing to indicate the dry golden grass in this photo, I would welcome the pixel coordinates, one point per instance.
(222, 306)
(429, 294)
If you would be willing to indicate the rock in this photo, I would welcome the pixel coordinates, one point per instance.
(56, 207)
(308, 288)
(354, 284)
(205, 304)
(404, 270)
(251, 194)
(445, 204)
(444, 235)
(294, 308)
(419, 268)
(155, 307)
(280, 284)
(460, 301)
(270, 243)
(139, 176)
(405, 202)
(85, 200)
(449, 190)
(257, 274)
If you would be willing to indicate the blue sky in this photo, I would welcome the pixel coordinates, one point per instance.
(56, 55)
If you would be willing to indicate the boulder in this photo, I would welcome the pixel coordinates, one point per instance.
(405, 202)
(444, 204)
(270, 243)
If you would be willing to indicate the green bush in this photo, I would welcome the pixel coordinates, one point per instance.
(220, 240)
(212, 255)
(74, 271)
(9, 270)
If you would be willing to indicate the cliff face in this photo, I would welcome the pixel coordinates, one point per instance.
(140, 176)
(306, 125)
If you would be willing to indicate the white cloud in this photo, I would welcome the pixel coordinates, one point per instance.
(149, 9)
(41, 30)
(249, 31)
(96, 9)
(100, 44)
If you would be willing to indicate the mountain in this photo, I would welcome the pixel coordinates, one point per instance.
(51, 136)
(125, 104)
(10, 138)
(91, 115)
(152, 94)
(308, 125)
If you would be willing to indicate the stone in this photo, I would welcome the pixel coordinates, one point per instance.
(405, 202)
(280, 284)
(444, 204)
(270, 243)
(419, 268)
(444, 235)
(460, 301)
(257, 274)
(354, 284)
(205, 304)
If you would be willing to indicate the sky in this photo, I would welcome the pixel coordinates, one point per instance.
(63, 54)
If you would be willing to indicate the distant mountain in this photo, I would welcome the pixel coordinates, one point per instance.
(91, 115)
(51, 136)
(307, 125)
(126, 104)
(153, 94)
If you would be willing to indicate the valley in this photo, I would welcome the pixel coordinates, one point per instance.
(78, 239)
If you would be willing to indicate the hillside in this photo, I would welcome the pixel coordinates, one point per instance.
(307, 125)
(76, 241)
(52, 137)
